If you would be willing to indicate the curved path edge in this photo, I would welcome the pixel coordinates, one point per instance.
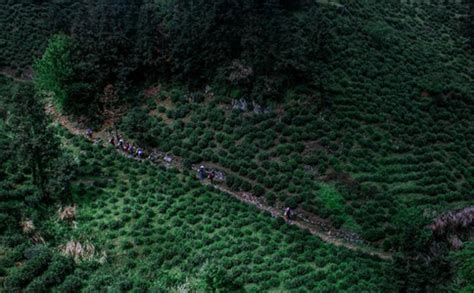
(301, 222)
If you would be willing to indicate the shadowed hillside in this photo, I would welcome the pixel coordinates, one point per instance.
(355, 116)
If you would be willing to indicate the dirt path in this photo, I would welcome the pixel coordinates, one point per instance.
(303, 223)
(303, 220)
(17, 79)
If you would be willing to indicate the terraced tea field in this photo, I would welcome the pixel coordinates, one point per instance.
(161, 229)
(404, 143)
(236, 146)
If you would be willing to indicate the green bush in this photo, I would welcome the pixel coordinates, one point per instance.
(57, 271)
(20, 277)
(258, 190)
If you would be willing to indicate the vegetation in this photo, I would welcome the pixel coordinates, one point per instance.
(358, 113)
(54, 69)
(161, 229)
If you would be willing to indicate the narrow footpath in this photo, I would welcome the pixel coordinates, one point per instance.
(303, 220)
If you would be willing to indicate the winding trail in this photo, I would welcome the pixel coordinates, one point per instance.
(303, 219)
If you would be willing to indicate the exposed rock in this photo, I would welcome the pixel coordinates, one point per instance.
(78, 250)
(240, 104)
(67, 213)
(37, 239)
(452, 222)
(27, 226)
(258, 109)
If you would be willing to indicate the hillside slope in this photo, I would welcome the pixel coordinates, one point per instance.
(356, 114)
(397, 131)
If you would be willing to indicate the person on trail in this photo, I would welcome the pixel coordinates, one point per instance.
(112, 141)
(211, 176)
(89, 133)
(139, 153)
(131, 150)
(288, 214)
(120, 143)
(202, 173)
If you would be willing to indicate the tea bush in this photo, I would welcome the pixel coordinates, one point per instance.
(363, 137)
(208, 227)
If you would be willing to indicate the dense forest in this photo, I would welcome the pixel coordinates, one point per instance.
(357, 116)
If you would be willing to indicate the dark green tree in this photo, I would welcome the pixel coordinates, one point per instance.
(36, 146)
(150, 45)
(263, 38)
(104, 33)
(204, 34)
(54, 69)
(420, 263)
(470, 23)
(463, 280)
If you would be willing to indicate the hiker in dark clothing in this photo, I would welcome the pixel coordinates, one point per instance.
(89, 133)
(288, 214)
(202, 173)
(139, 153)
(112, 141)
(211, 176)
(131, 150)
(120, 144)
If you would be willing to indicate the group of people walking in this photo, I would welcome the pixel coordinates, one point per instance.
(120, 144)
(137, 152)
(203, 174)
(128, 148)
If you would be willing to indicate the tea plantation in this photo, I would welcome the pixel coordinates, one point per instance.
(397, 133)
(160, 229)
(340, 134)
